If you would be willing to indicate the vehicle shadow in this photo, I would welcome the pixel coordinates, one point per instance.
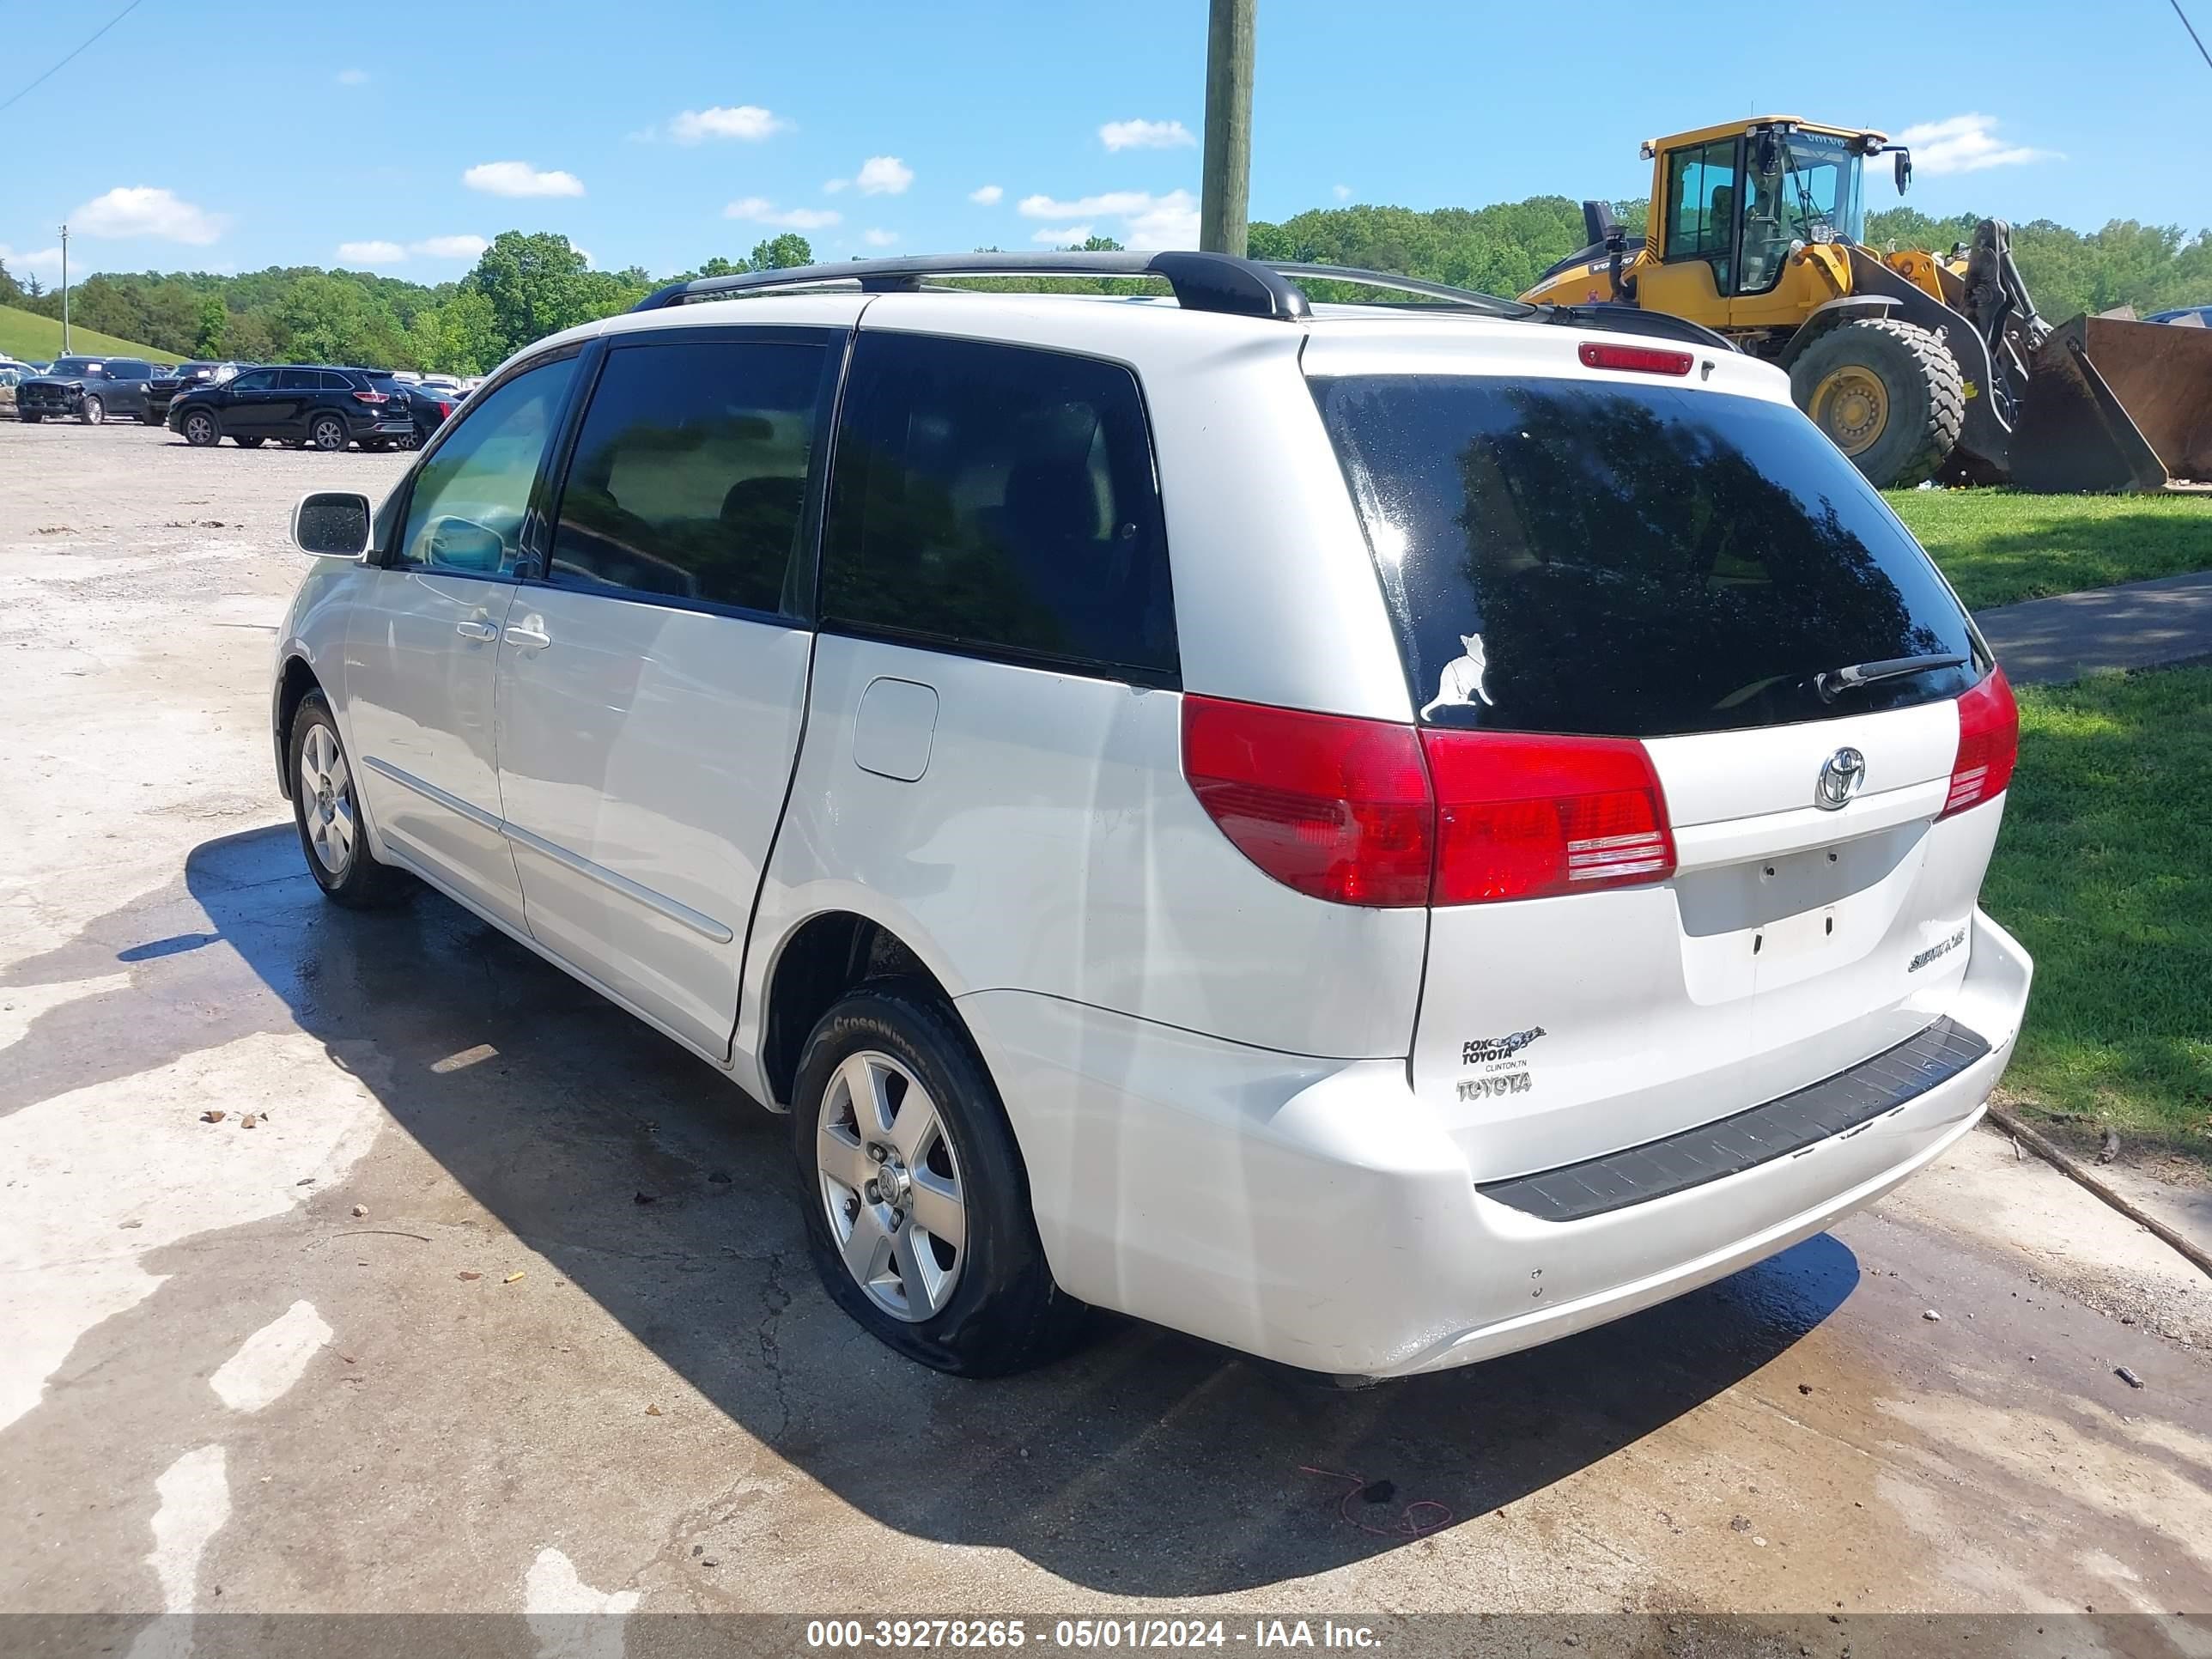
(1150, 1463)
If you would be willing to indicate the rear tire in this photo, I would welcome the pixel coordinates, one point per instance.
(326, 812)
(29, 420)
(148, 417)
(1888, 394)
(987, 1307)
(201, 428)
(92, 412)
(326, 433)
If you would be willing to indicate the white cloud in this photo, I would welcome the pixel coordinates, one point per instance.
(371, 253)
(22, 259)
(879, 175)
(449, 247)
(353, 78)
(1065, 236)
(761, 211)
(141, 210)
(988, 195)
(1147, 221)
(1342, 193)
(1965, 143)
(879, 238)
(749, 123)
(884, 175)
(1147, 135)
(520, 178)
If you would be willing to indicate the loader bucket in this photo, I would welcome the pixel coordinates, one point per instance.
(2116, 405)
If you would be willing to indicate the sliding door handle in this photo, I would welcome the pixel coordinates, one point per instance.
(528, 635)
(475, 631)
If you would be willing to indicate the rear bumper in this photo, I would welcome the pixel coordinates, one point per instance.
(1314, 1212)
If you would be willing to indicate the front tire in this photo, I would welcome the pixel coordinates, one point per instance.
(147, 418)
(29, 420)
(1888, 394)
(917, 1203)
(249, 443)
(326, 812)
(201, 428)
(92, 412)
(327, 433)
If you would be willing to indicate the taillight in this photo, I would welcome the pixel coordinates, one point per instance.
(1522, 816)
(445, 411)
(1641, 360)
(1335, 808)
(1989, 744)
(370, 398)
(1370, 812)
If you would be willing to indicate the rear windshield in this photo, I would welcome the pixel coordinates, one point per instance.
(1622, 561)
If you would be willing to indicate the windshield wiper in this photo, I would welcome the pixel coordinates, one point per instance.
(1832, 682)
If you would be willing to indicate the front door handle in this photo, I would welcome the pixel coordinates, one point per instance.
(475, 631)
(528, 635)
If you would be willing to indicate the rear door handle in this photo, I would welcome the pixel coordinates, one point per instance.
(527, 636)
(475, 631)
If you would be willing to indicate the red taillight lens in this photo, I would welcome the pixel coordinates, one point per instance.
(1641, 360)
(1335, 808)
(445, 411)
(1988, 744)
(370, 397)
(1520, 817)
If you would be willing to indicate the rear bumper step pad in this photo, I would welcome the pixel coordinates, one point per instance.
(1733, 1144)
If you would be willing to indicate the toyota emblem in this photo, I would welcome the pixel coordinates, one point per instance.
(1841, 775)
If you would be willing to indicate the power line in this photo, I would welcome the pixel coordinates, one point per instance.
(2191, 27)
(118, 18)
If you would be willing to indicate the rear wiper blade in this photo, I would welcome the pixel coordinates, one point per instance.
(1833, 682)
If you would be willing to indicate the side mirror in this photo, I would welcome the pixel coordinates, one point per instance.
(1903, 170)
(331, 524)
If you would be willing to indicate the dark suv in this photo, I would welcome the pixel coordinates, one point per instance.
(87, 389)
(311, 405)
(169, 383)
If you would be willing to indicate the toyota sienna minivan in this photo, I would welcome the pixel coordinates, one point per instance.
(1375, 835)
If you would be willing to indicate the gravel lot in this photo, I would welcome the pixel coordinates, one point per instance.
(501, 1303)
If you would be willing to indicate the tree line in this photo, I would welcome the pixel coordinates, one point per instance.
(528, 285)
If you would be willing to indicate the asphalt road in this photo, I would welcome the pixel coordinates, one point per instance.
(482, 1297)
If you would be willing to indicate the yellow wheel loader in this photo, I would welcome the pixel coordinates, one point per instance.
(1917, 364)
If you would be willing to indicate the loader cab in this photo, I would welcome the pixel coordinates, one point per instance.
(1733, 207)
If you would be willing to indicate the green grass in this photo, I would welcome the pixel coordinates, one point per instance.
(2103, 872)
(1996, 546)
(35, 339)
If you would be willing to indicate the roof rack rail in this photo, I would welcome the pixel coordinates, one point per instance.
(1201, 282)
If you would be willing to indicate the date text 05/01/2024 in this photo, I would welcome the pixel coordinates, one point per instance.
(1109, 1634)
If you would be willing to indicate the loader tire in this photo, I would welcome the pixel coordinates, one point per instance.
(1888, 394)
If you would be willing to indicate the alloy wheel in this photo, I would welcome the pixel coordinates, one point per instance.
(325, 791)
(329, 435)
(891, 1186)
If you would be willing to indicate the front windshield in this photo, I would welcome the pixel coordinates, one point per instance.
(1816, 196)
(65, 368)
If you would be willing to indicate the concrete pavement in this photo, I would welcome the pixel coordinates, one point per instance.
(2135, 625)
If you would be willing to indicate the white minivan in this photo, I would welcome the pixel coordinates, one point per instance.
(1377, 835)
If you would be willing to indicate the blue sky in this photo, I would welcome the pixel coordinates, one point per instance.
(402, 133)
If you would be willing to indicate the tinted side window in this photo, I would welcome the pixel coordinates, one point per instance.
(689, 474)
(259, 379)
(998, 499)
(472, 493)
(298, 380)
(330, 381)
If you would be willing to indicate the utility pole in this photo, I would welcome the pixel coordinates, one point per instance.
(65, 338)
(1225, 192)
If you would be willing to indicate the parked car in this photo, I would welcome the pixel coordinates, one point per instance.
(311, 405)
(2187, 316)
(441, 383)
(1377, 838)
(86, 389)
(11, 376)
(165, 386)
(431, 408)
